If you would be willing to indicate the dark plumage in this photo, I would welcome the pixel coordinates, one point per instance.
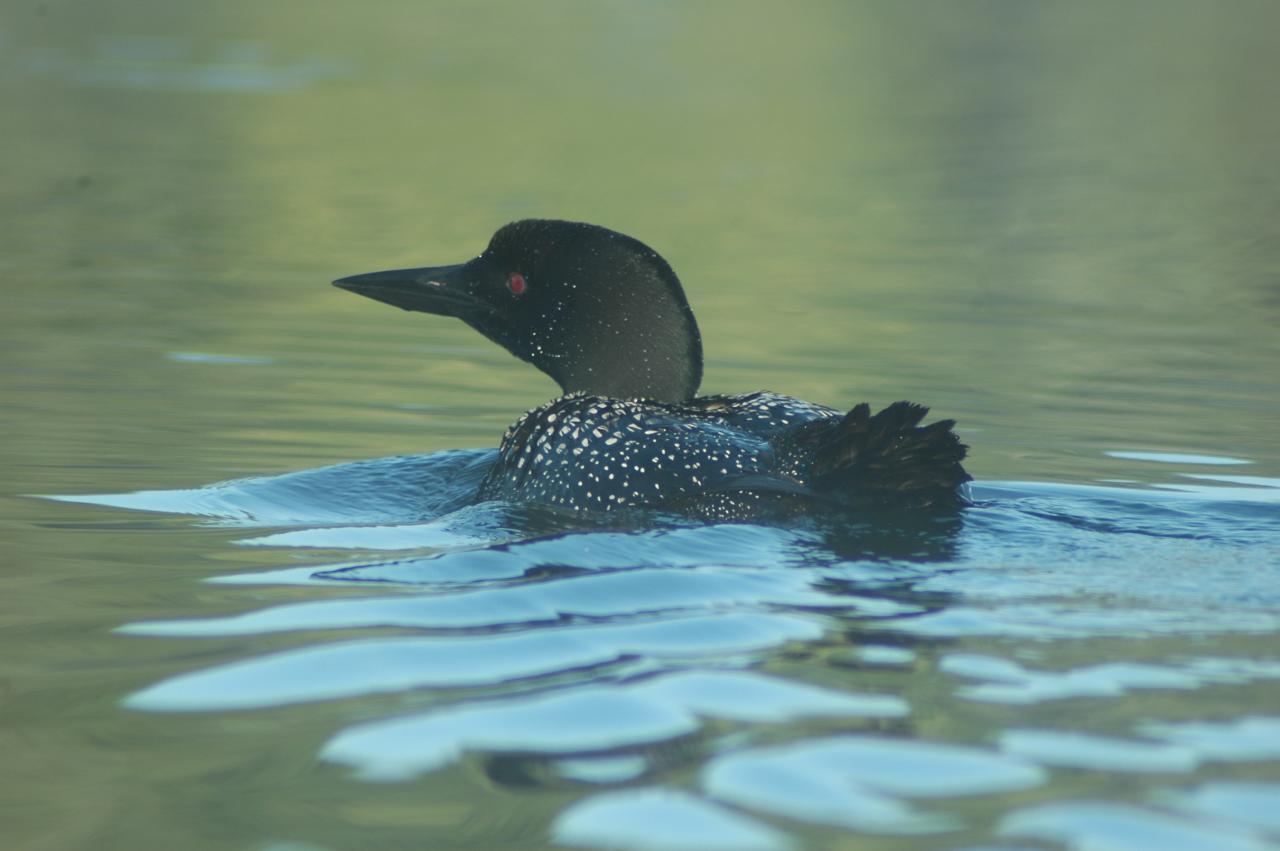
(606, 317)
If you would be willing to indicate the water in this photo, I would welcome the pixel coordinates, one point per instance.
(1053, 223)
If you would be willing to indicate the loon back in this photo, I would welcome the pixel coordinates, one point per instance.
(607, 319)
(725, 457)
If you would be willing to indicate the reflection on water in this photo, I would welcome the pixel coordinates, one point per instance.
(592, 719)
(1052, 222)
(174, 64)
(600, 654)
(665, 818)
(1096, 824)
(857, 782)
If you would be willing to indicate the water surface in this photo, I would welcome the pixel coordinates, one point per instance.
(260, 613)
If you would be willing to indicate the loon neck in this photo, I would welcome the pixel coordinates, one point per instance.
(654, 353)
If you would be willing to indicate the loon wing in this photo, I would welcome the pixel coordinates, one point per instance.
(888, 458)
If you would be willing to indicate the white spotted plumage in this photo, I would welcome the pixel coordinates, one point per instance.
(648, 454)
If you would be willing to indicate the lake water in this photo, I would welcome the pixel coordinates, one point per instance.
(1056, 223)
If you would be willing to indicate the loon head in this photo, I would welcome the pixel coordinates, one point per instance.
(597, 311)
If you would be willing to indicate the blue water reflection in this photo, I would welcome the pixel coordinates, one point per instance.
(594, 650)
(658, 818)
(591, 718)
(1099, 824)
(859, 782)
(353, 668)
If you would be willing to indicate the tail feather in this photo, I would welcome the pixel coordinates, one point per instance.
(888, 458)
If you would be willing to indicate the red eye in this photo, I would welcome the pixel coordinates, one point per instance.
(516, 283)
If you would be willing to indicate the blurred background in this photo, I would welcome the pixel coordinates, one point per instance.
(1057, 223)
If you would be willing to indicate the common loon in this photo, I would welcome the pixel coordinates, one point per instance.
(605, 317)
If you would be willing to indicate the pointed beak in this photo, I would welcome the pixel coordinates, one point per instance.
(437, 289)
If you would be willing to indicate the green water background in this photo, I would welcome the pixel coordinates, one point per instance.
(1057, 223)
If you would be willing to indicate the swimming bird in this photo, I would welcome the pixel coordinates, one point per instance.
(606, 317)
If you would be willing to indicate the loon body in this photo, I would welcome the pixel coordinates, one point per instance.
(606, 317)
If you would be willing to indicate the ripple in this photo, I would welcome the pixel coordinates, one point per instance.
(347, 669)
(205, 357)
(1101, 753)
(400, 489)
(741, 545)
(1092, 824)
(1009, 682)
(589, 718)
(661, 819)
(853, 781)
(473, 526)
(1079, 620)
(619, 652)
(602, 769)
(883, 655)
(1243, 740)
(168, 63)
(1255, 805)
(1178, 458)
(621, 593)
(1263, 489)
